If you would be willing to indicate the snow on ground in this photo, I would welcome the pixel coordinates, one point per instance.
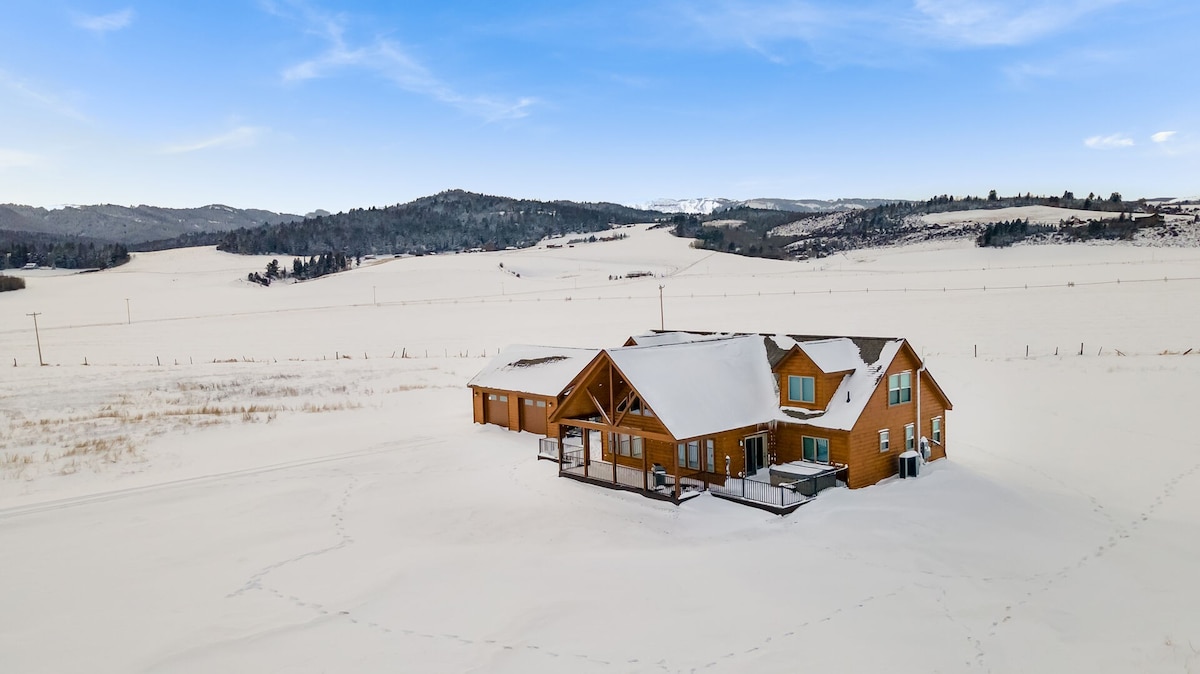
(308, 502)
(1035, 215)
(810, 225)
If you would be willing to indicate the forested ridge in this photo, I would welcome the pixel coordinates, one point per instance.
(784, 235)
(449, 221)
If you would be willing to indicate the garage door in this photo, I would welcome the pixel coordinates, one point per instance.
(496, 409)
(533, 415)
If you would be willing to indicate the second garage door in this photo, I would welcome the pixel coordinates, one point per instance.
(533, 415)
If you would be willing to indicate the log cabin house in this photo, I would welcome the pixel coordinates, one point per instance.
(741, 415)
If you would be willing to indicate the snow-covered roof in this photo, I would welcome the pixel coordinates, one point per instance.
(864, 359)
(834, 354)
(855, 390)
(660, 338)
(704, 387)
(539, 370)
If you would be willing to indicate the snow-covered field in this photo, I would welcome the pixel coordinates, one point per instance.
(255, 479)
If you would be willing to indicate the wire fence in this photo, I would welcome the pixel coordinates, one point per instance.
(573, 295)
(991, 351)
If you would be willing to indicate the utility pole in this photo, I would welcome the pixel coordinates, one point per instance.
(37, 336)
(373, 300)
(662, 324)
(128, 316)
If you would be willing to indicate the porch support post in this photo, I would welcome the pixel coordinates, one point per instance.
(645, 475)
(561, 434)
(677, 476)
(587, 450)
(613, 450)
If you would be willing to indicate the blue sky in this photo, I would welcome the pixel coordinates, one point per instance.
(301, 104)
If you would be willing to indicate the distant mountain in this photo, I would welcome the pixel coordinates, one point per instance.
(816, 205)
(701, 206)
(710, 205)
(449, 221)
(133, 224)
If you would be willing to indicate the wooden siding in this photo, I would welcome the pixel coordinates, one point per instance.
(727, 443)
(797, 363)
(791, 438)
(513, 410)
(867, 464)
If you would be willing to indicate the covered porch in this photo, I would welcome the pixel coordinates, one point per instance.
(627, 459)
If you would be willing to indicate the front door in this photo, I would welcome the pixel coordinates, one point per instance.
(756, 454)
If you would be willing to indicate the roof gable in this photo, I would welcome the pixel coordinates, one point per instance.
(702, 388)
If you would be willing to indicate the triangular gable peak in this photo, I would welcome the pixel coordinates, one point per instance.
(797, 357)
(926, 376)
(601, 394)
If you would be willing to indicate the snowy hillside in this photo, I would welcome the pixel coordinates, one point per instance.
(706, 206)
(1041, 215)
(256, 479)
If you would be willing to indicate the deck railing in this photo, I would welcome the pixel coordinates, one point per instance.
(548, 448)
(629, 476)
(759, 492)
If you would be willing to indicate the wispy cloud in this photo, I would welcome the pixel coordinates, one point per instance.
(242, 136)
(1072, 64)
(1162, 136)
(863, 32)
(18, 158)
(997, 23)
(1111, 142)
(35, 95)
(105, 23)
(388, 59)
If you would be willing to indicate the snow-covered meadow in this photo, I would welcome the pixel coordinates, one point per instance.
(247, 479)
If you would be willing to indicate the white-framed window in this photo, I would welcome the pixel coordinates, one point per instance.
(710, 455)
(885, 440)
(497, 397)
(627, 445)
(910, 438)
(900, 388)
(802, 389)
(689, 454)
(935, 429)
(541, 403)
(815, 449)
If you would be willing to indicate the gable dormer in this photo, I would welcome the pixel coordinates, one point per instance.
(802, 383)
